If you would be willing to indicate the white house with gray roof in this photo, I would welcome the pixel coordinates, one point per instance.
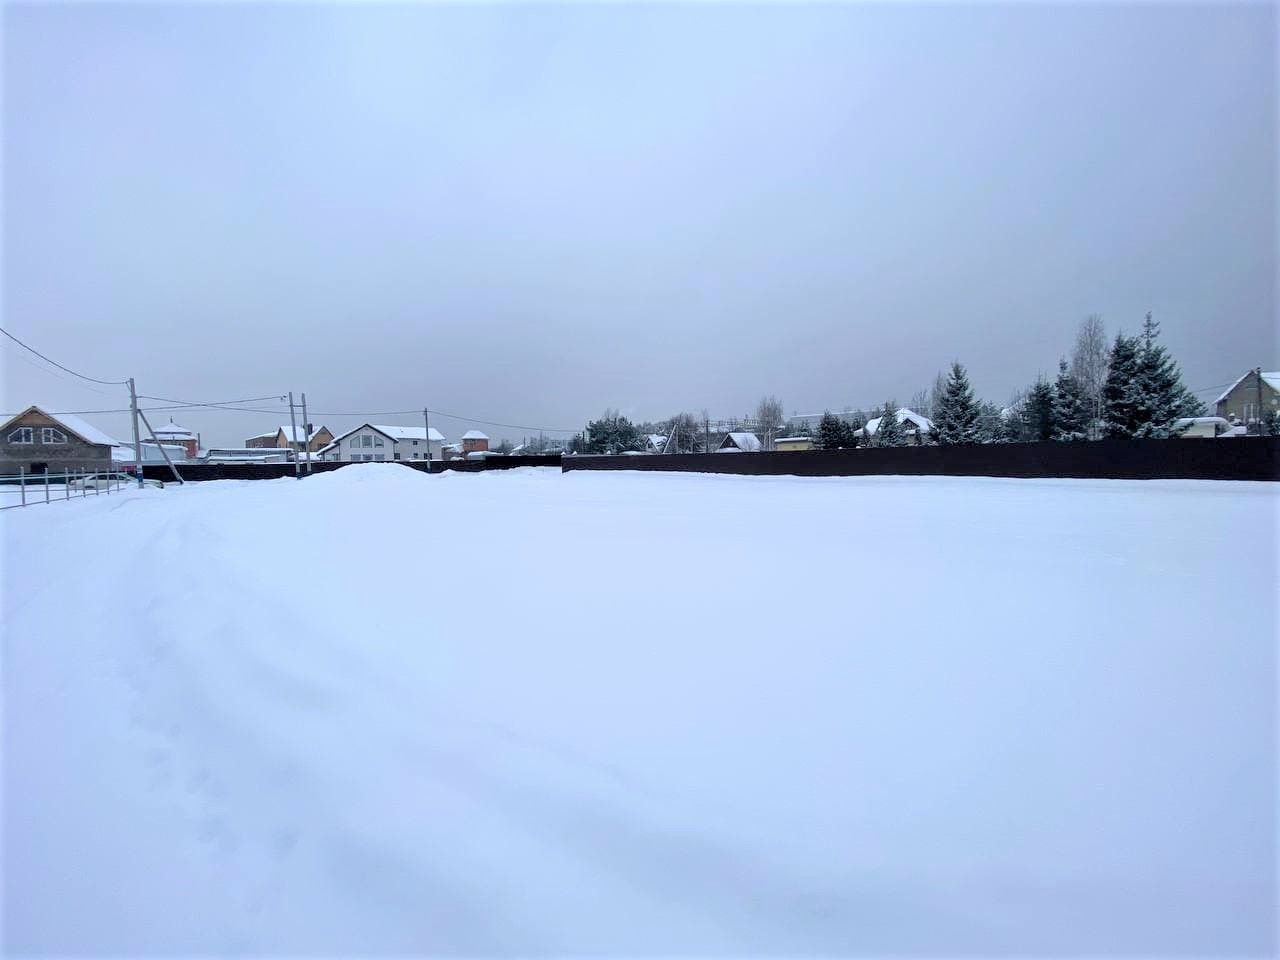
(382, 441)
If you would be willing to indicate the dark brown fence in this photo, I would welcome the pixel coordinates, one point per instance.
(1237, 458)
(270, 471)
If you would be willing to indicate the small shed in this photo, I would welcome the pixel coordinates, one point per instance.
(739, 443)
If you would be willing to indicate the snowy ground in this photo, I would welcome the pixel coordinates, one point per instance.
(642, 714)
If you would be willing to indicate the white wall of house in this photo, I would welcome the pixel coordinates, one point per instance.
(356, 448)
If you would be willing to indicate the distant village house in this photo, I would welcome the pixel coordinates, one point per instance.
(1240, 401)
(286, 438)
(37, 441)
(371, 441)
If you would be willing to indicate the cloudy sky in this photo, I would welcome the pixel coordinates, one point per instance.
(529, 213)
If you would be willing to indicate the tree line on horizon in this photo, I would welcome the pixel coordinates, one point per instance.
(1131, 389)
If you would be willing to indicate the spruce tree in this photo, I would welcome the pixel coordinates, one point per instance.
(1037, 413)
(990, 426)
(830, 434)
(1161, 396)
(1070, 407)
(890, 432)
(849, 434)
(1120, 402)
(958, 418)
(1271, 424)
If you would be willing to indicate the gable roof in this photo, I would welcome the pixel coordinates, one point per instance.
(172, 431)
(743, 441)
(474, 435)
(82, 429)
(292, 436)
(407, 433)
(1271, 379)
(392, 432)
(924, 424)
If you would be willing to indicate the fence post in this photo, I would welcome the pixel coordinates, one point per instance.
(46, 485)
(97, 488)
(22, 484)
(84, 490)
(66, 483)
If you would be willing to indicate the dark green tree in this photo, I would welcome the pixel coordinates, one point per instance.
(613, 433)
(989, 426)
(1121, 404)
(957, 420)
(836, 433)
(1161, 396)
(1037, 412)
(890, 432)
(1070, 407)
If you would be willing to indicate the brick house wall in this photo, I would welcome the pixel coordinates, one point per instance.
(258, 443)
(35, 457)
(474, 445)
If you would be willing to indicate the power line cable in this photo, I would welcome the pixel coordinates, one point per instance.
(109, 383)
(211, 403)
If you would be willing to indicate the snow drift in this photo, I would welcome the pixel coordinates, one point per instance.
(382, 712)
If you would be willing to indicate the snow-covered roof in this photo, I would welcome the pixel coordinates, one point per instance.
(266, 436)
(656, 440)
(1271, 379)
(172, 431)
(408, 433)
(392, 432)
(84, 430)
(923, 424)
(292, 436)
(474, 435)
(1183, 422)
(743, 441)
(791, 439)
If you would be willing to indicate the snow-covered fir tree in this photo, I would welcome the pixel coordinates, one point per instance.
(1161, 396)
(1037, 412)
(831, 432)
(890, 432)
(990, 425)
(958, 417)
(1070, 407)
(1120, 398)
(1271, 424)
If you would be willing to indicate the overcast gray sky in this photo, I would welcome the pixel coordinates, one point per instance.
(529, 213)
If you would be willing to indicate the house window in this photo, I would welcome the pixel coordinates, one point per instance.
(377, 439)
(379, 456)
(1250, 412)
(52, 435)
(397, 455)
(415, 443)
(22, 435)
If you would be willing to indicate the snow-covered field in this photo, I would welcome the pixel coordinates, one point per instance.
(531, 713)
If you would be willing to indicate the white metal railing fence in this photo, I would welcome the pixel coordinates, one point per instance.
(53, 485)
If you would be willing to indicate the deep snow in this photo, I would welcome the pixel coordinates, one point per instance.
(529, 713)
